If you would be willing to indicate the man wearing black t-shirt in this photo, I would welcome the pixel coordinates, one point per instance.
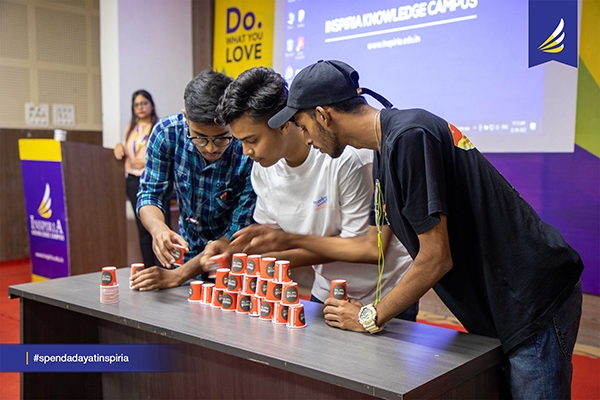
(498, 267)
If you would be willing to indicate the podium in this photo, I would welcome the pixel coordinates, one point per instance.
(75, 207)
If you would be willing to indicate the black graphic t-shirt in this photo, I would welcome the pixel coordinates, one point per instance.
(511, 270)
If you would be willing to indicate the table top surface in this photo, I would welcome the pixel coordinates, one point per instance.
(402, 359)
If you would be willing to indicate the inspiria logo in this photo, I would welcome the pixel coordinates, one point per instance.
(45, 209)
(554, 42)
(43, 228)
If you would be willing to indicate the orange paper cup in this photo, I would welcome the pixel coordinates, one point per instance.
(261, 287)
(338, 289)
(254, 307)
(244, 303)
(249, 286)
(235, 282)
(238, 263)
(266, 310)
(109, 276)
(289, 294)
(296, 316)
(177, 253)
(267, 267)
(217, 297)
(216, 262)
(253, 265)
(273, 290)
(207, 291)
(282, 271)
(195, 291)
(135, 268)
(280, 314)
(222, 278)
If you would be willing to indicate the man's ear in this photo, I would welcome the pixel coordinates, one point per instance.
(323, 116)
(184, 113)
(285, 128)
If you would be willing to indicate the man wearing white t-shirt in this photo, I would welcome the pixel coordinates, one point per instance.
(302, 191)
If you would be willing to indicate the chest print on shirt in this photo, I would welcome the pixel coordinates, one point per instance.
(320, 204)
(460, 140)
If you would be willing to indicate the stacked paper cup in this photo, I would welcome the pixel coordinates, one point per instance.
(109, 288)
(256, 286)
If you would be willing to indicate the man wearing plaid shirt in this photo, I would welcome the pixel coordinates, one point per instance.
(205, 165)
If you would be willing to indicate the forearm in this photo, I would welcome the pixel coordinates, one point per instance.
(299, 257)
(359, 249)
(153, 219)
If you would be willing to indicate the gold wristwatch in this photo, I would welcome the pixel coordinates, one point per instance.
(367, 316)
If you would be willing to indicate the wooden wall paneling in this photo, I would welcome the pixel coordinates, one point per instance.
(202, 34)
(95, 202)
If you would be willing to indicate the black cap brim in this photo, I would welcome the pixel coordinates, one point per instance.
(283, 116)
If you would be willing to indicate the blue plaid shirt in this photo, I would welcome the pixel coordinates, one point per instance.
(218, 196)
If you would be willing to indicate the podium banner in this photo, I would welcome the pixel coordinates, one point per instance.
(43, 186)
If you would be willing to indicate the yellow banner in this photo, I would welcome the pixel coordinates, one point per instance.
(39, 150)
(243, 36)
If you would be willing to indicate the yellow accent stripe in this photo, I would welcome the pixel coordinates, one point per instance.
(38, 278)
(40, 150)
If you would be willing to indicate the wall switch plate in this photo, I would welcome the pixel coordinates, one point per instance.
(63, 114)
(37, 115)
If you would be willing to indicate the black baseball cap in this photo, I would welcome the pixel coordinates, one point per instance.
(321, 84)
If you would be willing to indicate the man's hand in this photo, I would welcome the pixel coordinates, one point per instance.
(214, 248)
(162, 244)
(258, 239)
(155, 278)
(343, 314)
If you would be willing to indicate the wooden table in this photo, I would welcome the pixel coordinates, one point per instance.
(230, 355)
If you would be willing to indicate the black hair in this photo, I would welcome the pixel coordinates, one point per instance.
(260, 92)
(134, 118)
(350, 106)
(202, 96)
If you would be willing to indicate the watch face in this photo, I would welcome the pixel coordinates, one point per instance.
(365, 314)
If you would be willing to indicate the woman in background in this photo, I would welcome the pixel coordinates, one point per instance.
(133, 148)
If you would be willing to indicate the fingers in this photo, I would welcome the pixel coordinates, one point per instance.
(355, 302)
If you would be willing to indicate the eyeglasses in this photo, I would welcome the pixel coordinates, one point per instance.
(221, 141)
(142, 104)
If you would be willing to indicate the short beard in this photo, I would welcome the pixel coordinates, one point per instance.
(334, 148)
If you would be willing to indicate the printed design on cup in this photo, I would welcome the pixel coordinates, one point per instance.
(291, 295)
(277, 291)
(284, 312)
(301, 316)
(228, 301)
(250, 267)
(237, 265)
(252, 284)
(177, 253)
(107, 278)
(263, 287)
(191, 292)
(339, 291)
(266, 309)
(245, 303)
(234, 283)
(225, 280)
(289, 274)
(220, 297)
(271, 269)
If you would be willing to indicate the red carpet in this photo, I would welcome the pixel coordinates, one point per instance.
(586, 370)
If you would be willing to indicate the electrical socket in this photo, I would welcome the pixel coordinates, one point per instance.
(37, 115)
(63, 114)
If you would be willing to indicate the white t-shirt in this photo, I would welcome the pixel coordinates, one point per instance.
(328, 197)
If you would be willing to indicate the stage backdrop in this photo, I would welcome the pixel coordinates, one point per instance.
(243, 35)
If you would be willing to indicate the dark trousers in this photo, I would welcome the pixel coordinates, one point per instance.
(149, 259)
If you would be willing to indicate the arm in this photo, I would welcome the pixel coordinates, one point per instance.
(431, 264)
(119, 150)
(159, 278)
(245, 203)
(163, 238)
(257, 239)
(155, 193)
